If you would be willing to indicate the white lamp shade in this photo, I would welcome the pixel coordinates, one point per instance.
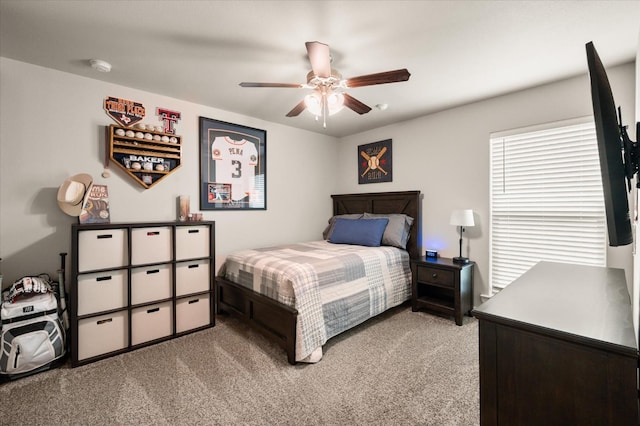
(462, 218)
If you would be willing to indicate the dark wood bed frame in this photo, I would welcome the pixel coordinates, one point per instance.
(277, 320)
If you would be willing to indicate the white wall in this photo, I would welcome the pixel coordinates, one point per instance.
(446, 157)
(52, 126)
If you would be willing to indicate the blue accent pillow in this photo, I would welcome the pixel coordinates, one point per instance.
(362, 232)
(329, 229)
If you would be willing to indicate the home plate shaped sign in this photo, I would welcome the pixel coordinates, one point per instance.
(123, 111)
(147, 157)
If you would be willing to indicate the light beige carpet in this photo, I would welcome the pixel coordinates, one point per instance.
(403, 367)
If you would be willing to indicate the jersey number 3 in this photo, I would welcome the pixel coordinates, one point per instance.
(237, 169)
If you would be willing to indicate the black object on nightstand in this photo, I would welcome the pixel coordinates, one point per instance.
(442, 285)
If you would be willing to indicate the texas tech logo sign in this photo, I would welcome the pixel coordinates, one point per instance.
(169, 118)
(124, 112)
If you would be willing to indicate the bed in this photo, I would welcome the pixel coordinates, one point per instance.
(299, 310)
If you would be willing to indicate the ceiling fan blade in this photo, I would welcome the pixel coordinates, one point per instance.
(292, 85)
(297, 109)
(320, 58)
(379, 78)
(354, 104)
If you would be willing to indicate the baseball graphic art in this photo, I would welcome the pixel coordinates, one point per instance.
(374, 162)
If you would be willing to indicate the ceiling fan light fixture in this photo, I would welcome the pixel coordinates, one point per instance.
(327, 86)
(314, 101)
(335, 102)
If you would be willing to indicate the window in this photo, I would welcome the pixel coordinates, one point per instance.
(546, 199)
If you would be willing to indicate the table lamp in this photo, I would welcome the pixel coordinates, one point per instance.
(461, 218)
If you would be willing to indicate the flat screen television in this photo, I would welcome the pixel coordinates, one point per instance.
(618, 155)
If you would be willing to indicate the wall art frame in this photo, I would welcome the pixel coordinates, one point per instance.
(233, 166)
(375, 162)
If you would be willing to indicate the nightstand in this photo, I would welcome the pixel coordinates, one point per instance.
(442, 285)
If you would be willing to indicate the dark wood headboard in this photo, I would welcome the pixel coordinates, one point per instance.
(406, 202)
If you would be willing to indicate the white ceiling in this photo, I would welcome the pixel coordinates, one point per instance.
(456, 51)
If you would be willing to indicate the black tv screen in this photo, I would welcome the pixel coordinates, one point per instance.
(610, 149)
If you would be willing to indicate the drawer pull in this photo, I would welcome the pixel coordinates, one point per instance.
(193, 266)
(434, 275)
(107, 278)
(193, 231)
(103, 236)
(104, 321)
(150, 311)
(152, 233)
(193, 301)
(153, 271)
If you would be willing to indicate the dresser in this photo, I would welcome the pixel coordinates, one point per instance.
(136, 284)
(557, 347)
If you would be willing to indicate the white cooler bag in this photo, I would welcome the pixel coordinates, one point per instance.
(32, 336)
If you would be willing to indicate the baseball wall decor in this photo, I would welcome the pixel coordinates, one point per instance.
(233, 159)
(170, 118)
(148, 157)
(125, 112)
(374, 162)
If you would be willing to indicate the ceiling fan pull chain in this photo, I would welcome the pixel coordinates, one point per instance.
(324, 109)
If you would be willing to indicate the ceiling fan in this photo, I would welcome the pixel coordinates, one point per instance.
(328, 96)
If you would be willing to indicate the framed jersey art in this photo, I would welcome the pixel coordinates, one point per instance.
(232, 166)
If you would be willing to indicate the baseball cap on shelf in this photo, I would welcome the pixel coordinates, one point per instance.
(72, 193)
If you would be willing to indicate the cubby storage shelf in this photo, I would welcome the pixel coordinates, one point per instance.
(136, 284)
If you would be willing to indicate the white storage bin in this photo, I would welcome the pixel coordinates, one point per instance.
(150, 245)
(192, 242)
(192, 312)
(149, 283)
(101, 335)
(151, 322)
(102, 249)
(102, 291)
(192, 277)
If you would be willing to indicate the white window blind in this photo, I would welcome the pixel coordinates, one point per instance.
(546, 200)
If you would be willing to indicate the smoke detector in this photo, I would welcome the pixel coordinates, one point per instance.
(100, 65)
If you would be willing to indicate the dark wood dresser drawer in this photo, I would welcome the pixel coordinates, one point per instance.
(436, 276)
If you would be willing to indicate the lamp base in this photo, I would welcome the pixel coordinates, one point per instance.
(459, 259)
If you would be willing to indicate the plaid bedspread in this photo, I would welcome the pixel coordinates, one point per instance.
(334, 287)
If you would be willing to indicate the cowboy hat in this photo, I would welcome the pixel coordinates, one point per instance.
(73, 192)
